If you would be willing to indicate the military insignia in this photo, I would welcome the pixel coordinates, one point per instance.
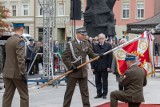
(143, 45)
(121, 54)
(22, 43)
(85, 48)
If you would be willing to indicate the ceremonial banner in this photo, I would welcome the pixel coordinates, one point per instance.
(143, 48)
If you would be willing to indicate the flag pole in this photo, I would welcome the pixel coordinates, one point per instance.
(96, 58)
(122, 45)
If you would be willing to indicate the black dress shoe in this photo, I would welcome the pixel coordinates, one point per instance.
(104, 97)
(98, 96)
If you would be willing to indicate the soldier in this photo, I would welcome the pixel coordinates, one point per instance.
(1, 64)
(133, 81)
(73, 56)
(14, 68)
(1, 60)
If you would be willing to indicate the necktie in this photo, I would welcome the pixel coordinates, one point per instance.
(80, 43)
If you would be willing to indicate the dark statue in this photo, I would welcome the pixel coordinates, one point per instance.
(99, 17)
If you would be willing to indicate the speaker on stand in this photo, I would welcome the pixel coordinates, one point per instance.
(75, 13)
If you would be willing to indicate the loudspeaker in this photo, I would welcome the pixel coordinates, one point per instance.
(75, 10)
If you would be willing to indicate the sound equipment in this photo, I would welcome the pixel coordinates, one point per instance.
(75, 10)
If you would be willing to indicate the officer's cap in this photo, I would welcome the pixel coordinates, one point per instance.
(31, 39)
(16, 25)
(130, 57)
(82, 31)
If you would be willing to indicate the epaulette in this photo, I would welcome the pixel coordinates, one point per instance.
(21, 37)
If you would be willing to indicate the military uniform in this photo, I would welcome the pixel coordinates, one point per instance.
(80, 49)
(133, 81)
(14, 72)
(1, 60)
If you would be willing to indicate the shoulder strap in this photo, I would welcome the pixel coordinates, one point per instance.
(73, 54)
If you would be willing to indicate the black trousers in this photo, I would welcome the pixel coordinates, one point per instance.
(101, 81)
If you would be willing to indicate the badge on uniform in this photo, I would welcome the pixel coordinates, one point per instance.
(22, 43)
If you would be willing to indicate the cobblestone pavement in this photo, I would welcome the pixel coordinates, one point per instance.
(53, 96)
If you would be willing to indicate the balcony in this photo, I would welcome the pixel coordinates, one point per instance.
(62, 20)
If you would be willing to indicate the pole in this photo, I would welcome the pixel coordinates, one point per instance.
(70, 71)
(120, 46)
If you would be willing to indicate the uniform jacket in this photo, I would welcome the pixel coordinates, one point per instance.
(133, 82)
(15, 58)
(79, 50)
(105, 62)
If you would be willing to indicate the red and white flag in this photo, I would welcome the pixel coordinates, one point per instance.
(143, 48)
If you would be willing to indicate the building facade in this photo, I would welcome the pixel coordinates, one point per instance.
(30, 12)
(129, 11)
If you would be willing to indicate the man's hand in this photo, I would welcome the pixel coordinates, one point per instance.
(101, 55)
(109, 69)
(74, 68)
(24, 78)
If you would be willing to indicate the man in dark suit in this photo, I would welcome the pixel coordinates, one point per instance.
(73, 56)
(133, 81)
(102, 66)
(14, 69)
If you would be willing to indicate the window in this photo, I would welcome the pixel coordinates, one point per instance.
(25, 10)
(125, 11)
(14, 10)
(61, 9)
(41, 11)
(140, 10)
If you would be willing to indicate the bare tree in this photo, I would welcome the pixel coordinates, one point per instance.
(4, 27)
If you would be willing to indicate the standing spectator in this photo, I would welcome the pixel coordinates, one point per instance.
(73, 56)
(156, 49)
(102, 66)
(14, 69)
(133, 81)
(30, 56)
(56, 58)
(56, 47)
(38, 49)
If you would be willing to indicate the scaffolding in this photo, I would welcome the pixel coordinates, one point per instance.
(48, 25)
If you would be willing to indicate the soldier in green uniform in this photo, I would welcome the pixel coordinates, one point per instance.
(14, 68)
(1, 60)
(73, 56)
(133, 81)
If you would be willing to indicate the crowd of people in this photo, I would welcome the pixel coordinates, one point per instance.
(32, 49)
(130, 83)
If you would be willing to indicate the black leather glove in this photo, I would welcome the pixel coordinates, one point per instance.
(24, 79)
(74, 68)
(101, 55)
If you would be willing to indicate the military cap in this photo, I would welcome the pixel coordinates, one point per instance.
(15, 25)
(82, 31)
(130, 57)
(31, 39)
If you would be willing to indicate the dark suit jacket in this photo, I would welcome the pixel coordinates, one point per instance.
(105, 62)
(15, 58)
(83, 51)
(133, 82)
